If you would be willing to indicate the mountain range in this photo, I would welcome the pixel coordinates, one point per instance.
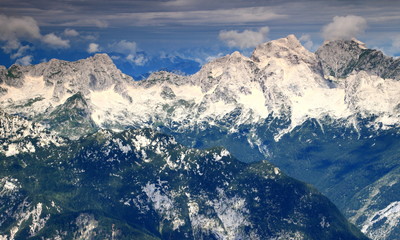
(329, 118)
(140, 184)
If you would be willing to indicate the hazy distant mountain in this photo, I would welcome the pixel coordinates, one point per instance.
(150, 64)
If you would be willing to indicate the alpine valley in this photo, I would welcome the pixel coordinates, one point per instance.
(86, 152)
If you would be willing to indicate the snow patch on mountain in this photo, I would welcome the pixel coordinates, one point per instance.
(374, 96)
(164, 204)
(379, 225)
(86, 224)
(16, 135)
(281, 79)
(8, 186)
(26, 214)
(33, 98)
(233, 214)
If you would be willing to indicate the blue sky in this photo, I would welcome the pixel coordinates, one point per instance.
(33, 31)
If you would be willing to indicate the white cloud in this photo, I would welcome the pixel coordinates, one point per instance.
(55, 41)
(344, 27)
(71, 32)
(21, 51)
(27, 60)
(87, 23)
(90, 37)
(396, 42)
(394, 48)
(14, 30)
(139, 60)
(129, 50)
(93, 47)
(11, 45)
(199, 17)
(124, 47)
(305, 39)
(245, 39)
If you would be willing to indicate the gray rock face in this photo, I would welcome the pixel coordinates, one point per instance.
(94, 73)
(13, 76)
(339, 58)
(288, 48)
(72, 118)
(258, 101)
(375, 62)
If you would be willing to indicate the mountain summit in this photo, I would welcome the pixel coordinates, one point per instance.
(340, 58)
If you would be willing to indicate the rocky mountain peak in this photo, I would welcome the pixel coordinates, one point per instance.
(94, 73)
(101, 58)
(236, 55)
(290, 40)
(288, 48)
(339, 58)
(232, 69)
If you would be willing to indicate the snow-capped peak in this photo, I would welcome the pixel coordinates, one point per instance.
(281, 78)
(288, 48)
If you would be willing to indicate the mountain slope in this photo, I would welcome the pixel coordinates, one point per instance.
(140, 184)
(282, 79)
(284, 104)
(340, 58)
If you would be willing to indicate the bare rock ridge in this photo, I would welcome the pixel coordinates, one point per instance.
(289, 47)
(94, 73)
(341, 57)
(280, 79)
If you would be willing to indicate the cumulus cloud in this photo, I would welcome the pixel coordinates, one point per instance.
(27, 60)
(55, 41)
(344, 27)
(305, 39)
(71, 32)
(20, 52)
(129, 50)
(139, 60)
(14, 30)
(93, 47)
(245, 39)
(124, 47)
